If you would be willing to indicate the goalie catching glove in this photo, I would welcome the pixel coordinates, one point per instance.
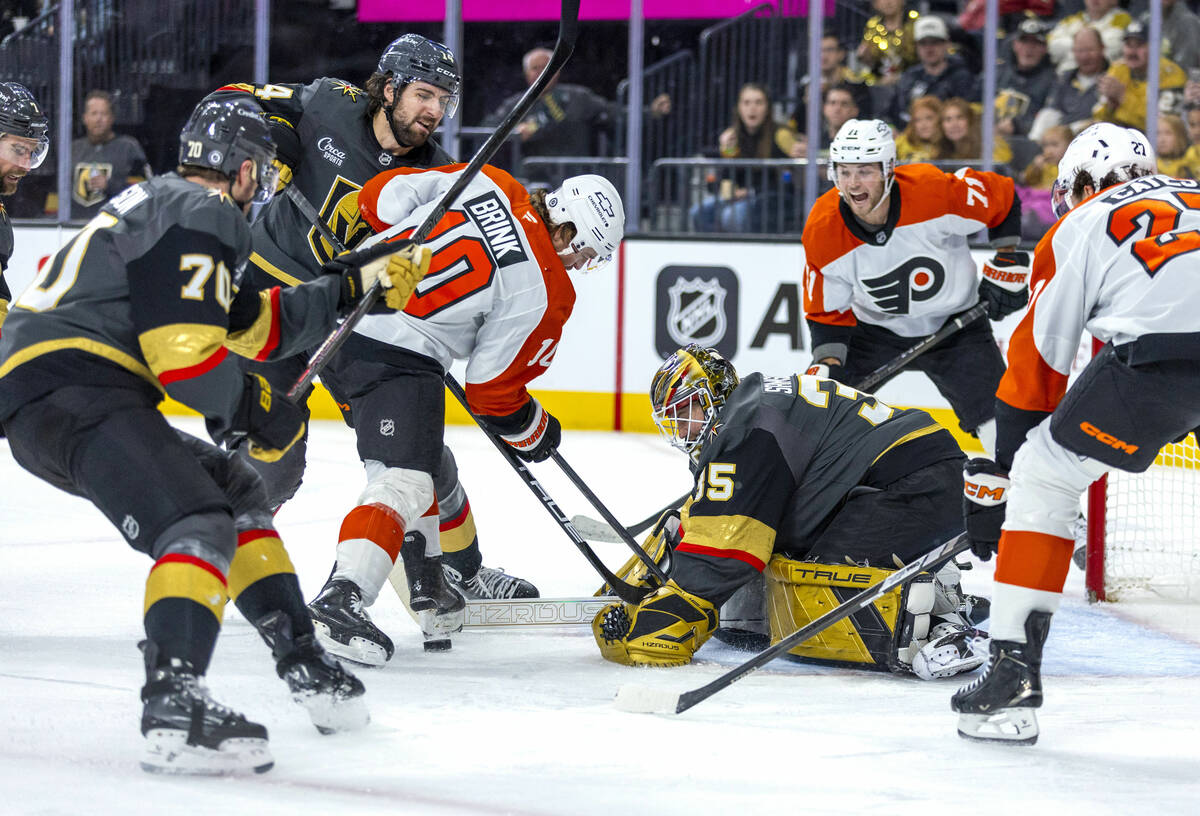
(1004, 288)
(985, 491)
(272, 422)
(398, 274)
(665, 629)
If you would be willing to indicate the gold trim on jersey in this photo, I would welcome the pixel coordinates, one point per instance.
(250, 341)
(106, 352)
(180, 345)
(187, 581)
(730, 533)
(256, 559)
(273, 270)
(909, 437)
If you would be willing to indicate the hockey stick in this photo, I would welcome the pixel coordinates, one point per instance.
(594, 500)
(626, 592)
(534, 611)
(568, 29)
(907, 356)
(644, 700)
(596, 530)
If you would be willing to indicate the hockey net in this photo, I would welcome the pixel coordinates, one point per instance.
(1143, 539)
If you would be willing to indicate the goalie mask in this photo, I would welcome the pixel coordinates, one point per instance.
(21, 116)
(413, 58)
(220, 135)
(594, 206)
(688, 392)
(864, 141)
(1103, 150)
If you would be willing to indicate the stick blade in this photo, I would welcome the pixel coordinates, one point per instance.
(639, 699)
(594, 530)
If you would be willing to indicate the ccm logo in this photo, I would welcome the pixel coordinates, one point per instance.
(1107, 438)
(982, 491)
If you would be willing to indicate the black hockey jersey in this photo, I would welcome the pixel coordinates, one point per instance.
(328, 150)
(6, 251)
(146, 296)
(785, 453)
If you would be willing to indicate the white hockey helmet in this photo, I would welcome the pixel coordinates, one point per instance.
(864, 141)
(1098, 150)
(594, 206)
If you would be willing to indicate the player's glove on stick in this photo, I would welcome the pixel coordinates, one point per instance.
(539, 437)
(829, 372)
(985, 491)
(271, 421)
(665, 629)
(398, 274)
(1004, 288)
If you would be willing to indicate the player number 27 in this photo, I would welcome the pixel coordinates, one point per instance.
(1157, 218)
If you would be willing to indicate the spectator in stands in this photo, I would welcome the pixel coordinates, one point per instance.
(1076, 92)
(102, 162)
(1172, 148)
(1192, 119)
(834, 71)
(961, 138)
(1123, 87)
(839, 105)
(1181, 34)
(567, 118)
(1024, 83)
(922, 139)
(974, 13)
(734, 206)
(939, 72)
(1102, 15)
(1037, 209)
(887, 46)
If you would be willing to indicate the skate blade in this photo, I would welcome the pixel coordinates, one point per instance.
(439, 626)
(359, 650)
(331, 714)
(1016, 726)
(167, 752)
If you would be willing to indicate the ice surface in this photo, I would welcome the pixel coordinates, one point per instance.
(514, 721)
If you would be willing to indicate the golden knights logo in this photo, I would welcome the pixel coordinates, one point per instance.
(340, 212)
(81, 189)
(696, 304)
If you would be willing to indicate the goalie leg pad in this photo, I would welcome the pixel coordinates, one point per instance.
(883, 636)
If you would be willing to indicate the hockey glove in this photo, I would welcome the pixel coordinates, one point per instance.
(398, 274)
(665, 629)
(539, 437)
(271, 421)
(985, 491)
(829, 372)
(1004, 288)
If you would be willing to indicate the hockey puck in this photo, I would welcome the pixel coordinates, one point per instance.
(441, 645)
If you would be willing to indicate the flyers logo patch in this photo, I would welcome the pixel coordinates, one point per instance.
(913, 281)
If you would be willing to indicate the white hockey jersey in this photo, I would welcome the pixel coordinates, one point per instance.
(1120, 265)
(497, 294)
(922, 272)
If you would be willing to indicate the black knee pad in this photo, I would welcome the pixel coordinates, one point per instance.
(242, 485)
(208, 536)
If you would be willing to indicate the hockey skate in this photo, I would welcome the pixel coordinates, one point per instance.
(489, 584)
(187, 732)
(949, 598)
(440, 610)
(344, 628)
(331, 695)
(952, 649)
(999, 706)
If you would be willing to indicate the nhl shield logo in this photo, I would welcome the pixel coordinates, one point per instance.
(130, 527)
(387, 427)
(696, 313)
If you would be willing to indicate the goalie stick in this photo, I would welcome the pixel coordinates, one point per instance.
(596, 530)
(626, 592)
(568, 30)
(645, 700)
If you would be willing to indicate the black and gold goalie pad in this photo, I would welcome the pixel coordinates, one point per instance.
(883, 636)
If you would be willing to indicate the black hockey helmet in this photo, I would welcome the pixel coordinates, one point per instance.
(413, 58)
(21, 115)
(221, 134)
(693, 374)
